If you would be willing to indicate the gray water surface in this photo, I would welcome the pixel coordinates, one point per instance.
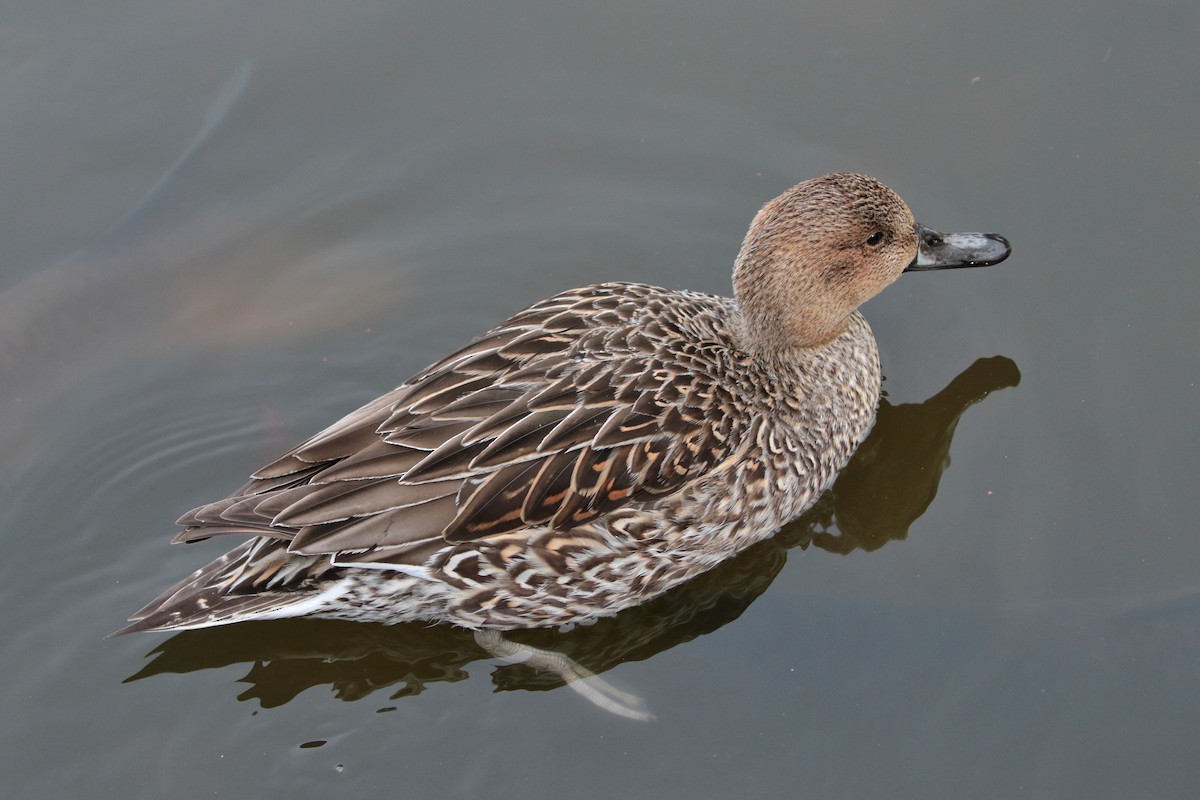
(1000, 598)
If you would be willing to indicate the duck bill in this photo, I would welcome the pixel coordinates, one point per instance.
(952, 250)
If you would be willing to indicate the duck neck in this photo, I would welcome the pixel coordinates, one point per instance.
(780, 309)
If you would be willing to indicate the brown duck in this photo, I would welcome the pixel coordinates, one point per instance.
(587, 454)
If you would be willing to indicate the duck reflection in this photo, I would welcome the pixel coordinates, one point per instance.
(888, 484)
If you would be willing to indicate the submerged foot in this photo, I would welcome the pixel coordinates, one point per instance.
(595, 689)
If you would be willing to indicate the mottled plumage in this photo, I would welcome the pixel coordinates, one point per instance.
(585, 455)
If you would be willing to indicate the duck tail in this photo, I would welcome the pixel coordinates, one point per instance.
(256, 580)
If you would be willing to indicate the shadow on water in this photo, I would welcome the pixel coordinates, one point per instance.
(888, 484)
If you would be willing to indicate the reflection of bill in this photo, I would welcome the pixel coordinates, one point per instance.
(894, 475)
(888, 484)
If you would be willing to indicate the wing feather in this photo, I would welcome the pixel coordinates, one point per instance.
(564, 413)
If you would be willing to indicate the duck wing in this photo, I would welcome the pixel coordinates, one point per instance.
(573, 408)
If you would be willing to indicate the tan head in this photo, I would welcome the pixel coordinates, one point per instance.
(815, 254)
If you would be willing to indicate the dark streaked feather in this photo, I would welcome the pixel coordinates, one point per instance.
(562, 414)
(235, 585)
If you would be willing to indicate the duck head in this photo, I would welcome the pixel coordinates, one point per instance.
(821, 249)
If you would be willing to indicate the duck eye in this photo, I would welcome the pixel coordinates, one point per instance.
(875, 239)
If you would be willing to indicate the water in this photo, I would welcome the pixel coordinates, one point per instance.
(998, 598)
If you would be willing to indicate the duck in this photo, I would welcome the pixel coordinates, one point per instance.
(590, 452)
